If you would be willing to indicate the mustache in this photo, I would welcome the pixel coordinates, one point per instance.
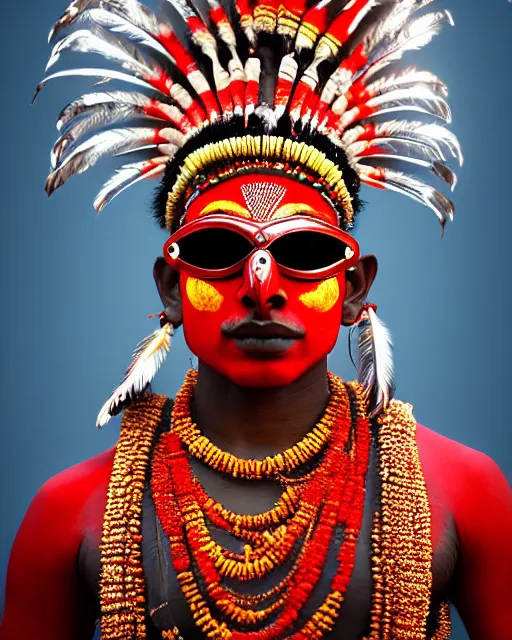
(250, 328)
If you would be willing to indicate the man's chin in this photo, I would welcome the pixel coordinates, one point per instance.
(263, 370)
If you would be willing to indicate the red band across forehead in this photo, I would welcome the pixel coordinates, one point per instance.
(262, 198)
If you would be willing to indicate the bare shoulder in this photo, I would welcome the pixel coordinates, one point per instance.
(96, 468)
(450, 457)
(468, 480)
(46, 547)
(71, 491)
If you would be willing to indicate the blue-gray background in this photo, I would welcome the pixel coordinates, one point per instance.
(76, 289)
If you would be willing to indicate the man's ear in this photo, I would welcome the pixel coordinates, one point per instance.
(168, 284)
(358, 282)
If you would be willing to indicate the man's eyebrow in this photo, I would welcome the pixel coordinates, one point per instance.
(225, 206)
(292, 208)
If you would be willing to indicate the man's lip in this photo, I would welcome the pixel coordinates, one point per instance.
(262, 329)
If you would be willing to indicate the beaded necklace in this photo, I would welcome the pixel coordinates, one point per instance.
(301, 524)
(201, 448)
(325, 501)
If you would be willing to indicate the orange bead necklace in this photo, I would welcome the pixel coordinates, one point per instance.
(331, 496)
(200, 447)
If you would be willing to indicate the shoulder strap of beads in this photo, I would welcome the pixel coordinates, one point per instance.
(401, 535)
(122, 587)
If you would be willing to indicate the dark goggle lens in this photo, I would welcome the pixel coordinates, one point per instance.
(214, 248)
(308, 250)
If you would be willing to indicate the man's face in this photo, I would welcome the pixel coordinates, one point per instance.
(259, 327)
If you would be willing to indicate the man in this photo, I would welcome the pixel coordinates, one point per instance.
(270, 500)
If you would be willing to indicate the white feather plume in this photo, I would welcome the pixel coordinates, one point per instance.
(138, 14)
(412, 187)
(80, 119)
(122, 26)
(407, 77)
(110, 74)
(92, 100)
(375, 366)
(421, 98)
(86, 41)
(147, 359)
(125, 177)
(396, 146)
(408, 151)
(431, 135)
(443, 137)
(399, 34)
(86, 155)
(102, 115)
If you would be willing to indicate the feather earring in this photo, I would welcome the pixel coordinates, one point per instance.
(375, 362)
(148, 357)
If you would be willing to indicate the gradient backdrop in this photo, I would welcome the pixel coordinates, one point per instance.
(76, 288)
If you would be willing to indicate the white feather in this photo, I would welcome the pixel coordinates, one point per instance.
(89, 152)
(412, 187)
(433, 135)
(146, 361)
(119, 24)
(125, 177)
(419, 99)
(138, 14)
(437, 168)
(418, 94)
(389, 41)
(91, 100)
(102, 115)
(443, 137)
(396, 146)
(375, 367)
(407, 77)
(96, 73)
(85, 41)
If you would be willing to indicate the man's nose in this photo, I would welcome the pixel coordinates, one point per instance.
(261, 289)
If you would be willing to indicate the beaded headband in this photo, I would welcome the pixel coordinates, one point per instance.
(297, 85)
(277, 151)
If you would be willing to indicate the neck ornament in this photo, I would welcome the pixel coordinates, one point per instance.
(300, 526)
(298, 529)
(200, 447)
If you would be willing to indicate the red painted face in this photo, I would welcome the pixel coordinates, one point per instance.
(259, 327)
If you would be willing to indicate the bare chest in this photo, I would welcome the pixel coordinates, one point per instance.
(167, 606)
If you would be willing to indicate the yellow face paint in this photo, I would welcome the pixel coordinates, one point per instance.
(291, 209)
(203, 296)
(324, 297)
(225, 206)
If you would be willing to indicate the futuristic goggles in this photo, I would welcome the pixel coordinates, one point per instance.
(218, 246)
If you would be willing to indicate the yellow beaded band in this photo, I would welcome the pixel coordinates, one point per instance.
(402, 561)
(273, 149)
(122, 585)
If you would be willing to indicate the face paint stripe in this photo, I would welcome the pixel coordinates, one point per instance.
(291, 209)
(225, 206)
(323, 297)
(203, 296)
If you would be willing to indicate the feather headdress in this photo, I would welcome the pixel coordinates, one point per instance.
(309, 85)
(312, 88)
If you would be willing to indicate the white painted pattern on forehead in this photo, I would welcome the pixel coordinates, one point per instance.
(262, 198)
